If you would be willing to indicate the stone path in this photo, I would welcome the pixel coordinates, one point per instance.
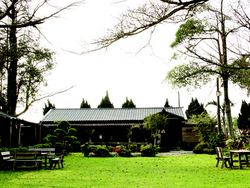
(181, 152)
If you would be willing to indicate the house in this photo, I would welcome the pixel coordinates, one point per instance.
(16, 132)
(113, 124)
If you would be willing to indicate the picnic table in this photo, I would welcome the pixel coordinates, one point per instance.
(240, 154)
(47, 153)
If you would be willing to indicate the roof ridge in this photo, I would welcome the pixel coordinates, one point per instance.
(112, 108)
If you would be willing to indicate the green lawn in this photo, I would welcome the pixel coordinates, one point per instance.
(160, 171)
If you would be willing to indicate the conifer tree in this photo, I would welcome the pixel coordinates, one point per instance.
(167, 103)
(85, 104)
(128, 104)
(105, 102)
(195, 108)
(244, 115)
(47, 107)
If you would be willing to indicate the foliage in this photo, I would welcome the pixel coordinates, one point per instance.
(187, 31)
(14, 149)
(63, 137)
(128, 104)
(195, 108)
(155, 123)
(122, 151)
(85, 104)
(148, 150)
(46, 145)
(134, 147)
(203, 40)
(230, 144)
(244, 115)
(207, 132)
(48, 106)
(105, 102)
(241, 141)
(101, 151)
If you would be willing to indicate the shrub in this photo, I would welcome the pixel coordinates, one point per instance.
(230, 144)
(46, 145)
(101, 152)
(134, 147)
(200, 147)
(125, 153)
(96, 150)
(13, 149)
(148, 150)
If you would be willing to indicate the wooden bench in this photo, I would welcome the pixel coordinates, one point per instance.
(27, 160)
(6, 160)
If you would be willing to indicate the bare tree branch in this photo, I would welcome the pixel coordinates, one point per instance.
(141, 19)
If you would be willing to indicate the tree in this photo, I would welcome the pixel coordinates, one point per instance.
(195, 108)
(205, 125)
(167, 103)
(105, 102)
(147, 17)
(23, 63)
(63, 137)
(205, 42)
(85, 104)
(47, 107)
(244, 116)
(155, 123)
(128, 104)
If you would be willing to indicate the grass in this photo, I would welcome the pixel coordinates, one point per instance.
(160, 171)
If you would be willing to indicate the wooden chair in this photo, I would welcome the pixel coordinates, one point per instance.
(221, 157)
(57, 161)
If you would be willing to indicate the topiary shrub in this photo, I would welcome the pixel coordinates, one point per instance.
(148, 151)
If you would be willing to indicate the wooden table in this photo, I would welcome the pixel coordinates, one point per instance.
(240, 153)
(45, 156)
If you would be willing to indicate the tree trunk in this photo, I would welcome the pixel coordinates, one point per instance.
(228, 109)
(12, 69)
(225, 74)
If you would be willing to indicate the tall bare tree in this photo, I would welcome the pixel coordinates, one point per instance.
(21, 56)
(146, 17)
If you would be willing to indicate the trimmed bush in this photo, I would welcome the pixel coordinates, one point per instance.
(148, 151)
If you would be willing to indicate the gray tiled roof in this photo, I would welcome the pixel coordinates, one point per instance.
(107, 114)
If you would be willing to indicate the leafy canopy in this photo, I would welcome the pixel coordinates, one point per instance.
(155, 123)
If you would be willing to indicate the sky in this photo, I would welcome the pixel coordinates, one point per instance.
(125, 69)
